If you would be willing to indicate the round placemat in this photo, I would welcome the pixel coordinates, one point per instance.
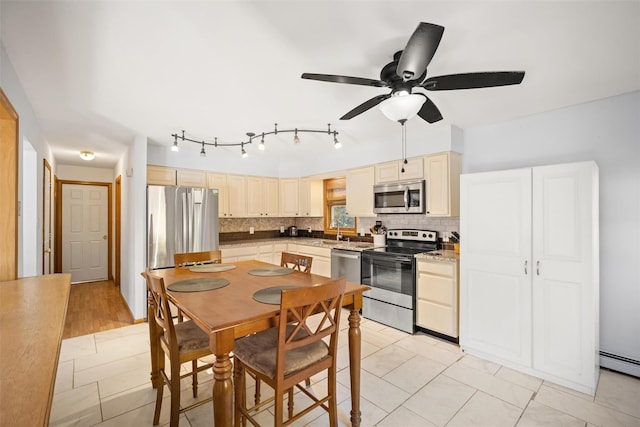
(271, 295)
(211, 268)
(195, 285)
(271, 271)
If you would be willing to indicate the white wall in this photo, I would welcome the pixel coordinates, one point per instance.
(607, 131)
(84, 173)
(28, 129)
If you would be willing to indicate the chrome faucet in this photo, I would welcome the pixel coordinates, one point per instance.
(338, 235)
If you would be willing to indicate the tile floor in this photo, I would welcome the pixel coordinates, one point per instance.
(407, 380)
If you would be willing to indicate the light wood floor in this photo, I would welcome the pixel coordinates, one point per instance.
(95, 307)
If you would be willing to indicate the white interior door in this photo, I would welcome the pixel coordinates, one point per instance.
(84, 232)
(495, 264)
(46, 219)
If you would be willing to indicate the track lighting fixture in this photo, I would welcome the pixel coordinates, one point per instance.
(252, 136)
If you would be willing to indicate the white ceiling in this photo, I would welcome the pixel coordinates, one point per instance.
(99, 73)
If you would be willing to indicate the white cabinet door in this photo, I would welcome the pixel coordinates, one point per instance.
(495, 225)
(311, 197)
(160, 175)
(237, 196)
(289, 197)
(270, 196)
(443, 184)
(191, 178)
(565, 307)
(219, 182)
(360, 191)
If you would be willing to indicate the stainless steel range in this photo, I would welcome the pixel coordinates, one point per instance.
(391, 274)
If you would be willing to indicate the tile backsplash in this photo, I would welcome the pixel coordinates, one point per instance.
(420, 222)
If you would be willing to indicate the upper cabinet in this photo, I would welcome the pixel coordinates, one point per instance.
(360, 191)
(160, 175)
(219, 182)
(191, 178)
(289, 197)
(442, 172)
(262, 196)
(237, 196)
(393, 171)
(311, 196)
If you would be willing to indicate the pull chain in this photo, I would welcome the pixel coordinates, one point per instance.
(404, 144)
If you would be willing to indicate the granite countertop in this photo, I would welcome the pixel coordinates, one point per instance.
(441, 256)
(321, 243)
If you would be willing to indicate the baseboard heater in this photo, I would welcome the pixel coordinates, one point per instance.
(620, 363)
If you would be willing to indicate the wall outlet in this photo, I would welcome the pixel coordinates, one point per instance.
(251, 230)
(282, 229)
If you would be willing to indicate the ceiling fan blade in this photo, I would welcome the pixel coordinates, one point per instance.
(429, 112)
(344, 79)
(419, 50)
(365, 106)
(473, 80)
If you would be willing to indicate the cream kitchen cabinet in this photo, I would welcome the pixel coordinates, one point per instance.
(219, 182)
(237, 196)
(529, 271)
(437, 296)
(160, 175)
(321, 257)
(289, 197)
(442, 172)
(262, 196)
(239, 253)
(392, 171)
(191, 178)
(360, 191)
(311, 195)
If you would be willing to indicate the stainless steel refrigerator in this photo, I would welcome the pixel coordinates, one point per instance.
(180, 219)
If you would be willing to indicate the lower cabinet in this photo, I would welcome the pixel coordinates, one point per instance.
(239, 253)
(321, 257)
(437, 296)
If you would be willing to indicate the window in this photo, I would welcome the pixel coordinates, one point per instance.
(335, 208)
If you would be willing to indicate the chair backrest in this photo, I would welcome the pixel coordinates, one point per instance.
(159, 308)
(299, 306)
(185, 259)
(297, 262)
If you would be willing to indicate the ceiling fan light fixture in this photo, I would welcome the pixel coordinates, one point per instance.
(399, 108)
(87, 155)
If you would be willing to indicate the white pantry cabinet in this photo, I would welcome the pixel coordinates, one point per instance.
(529, 271)
(442, 172)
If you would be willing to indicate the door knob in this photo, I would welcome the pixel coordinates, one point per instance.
(48, 250)
(104, 237)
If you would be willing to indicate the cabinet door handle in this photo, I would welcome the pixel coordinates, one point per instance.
(525, 266)
(538, 268)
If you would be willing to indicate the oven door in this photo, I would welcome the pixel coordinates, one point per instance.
(394, 273)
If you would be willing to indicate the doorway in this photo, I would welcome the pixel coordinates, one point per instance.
(29, 212)
(47, 187)
(83, 230)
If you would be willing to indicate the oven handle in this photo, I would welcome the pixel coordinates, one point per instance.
(399, 258)
(406, 198)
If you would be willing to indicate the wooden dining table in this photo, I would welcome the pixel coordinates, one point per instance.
(231, 312)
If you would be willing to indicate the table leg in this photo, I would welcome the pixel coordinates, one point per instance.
(355, 350)
(221, 344)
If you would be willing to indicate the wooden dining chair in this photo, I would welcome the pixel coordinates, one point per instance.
(297, 262)
(294, 350)
(188, 259)
(181, 342)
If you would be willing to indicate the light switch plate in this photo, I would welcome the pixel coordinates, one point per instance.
(251, 230)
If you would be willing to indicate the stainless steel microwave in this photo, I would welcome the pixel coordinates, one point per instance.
(400, 197)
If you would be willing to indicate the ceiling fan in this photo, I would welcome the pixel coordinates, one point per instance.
(408, 71)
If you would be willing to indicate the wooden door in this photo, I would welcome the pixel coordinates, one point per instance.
(8, 189)
(85, 231)
(495, 273)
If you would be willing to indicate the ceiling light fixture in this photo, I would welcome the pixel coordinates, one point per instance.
(252, 136)
(402, 107)
(87, 155)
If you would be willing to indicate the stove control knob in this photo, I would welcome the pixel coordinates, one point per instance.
(424, 235)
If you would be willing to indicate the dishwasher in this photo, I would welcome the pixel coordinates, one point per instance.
(345, 262)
